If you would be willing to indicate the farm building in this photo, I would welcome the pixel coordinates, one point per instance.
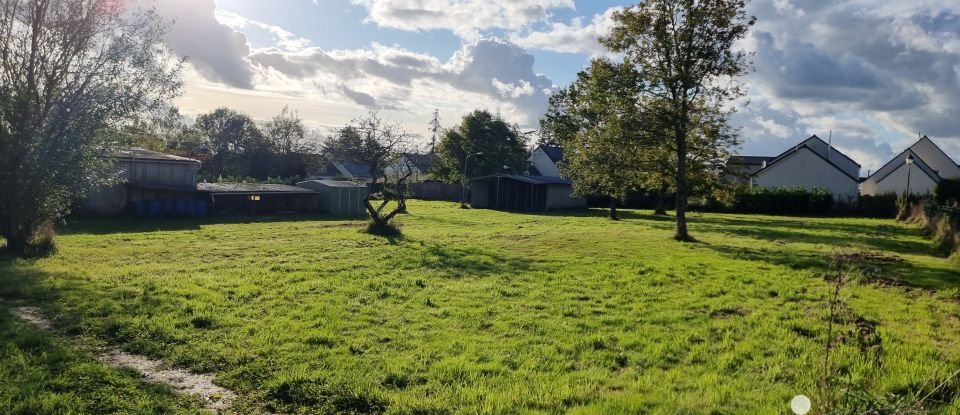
(259, 199)
(338, 197)
(145, 176)
(523, 193)
(916, 170)
(812, 164)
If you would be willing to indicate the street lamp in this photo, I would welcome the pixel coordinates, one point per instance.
(909, 167)
(463, 192)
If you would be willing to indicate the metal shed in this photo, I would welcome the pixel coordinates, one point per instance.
(524, 193)
(258, 199)
(339, 197)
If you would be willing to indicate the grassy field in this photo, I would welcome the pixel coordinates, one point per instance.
(482, 312)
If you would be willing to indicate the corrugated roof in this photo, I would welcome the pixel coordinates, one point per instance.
(137, 153)
(249, 188)
(333, 183)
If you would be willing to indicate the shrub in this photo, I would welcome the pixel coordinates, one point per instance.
(948, 191)
(784, 201)
(879, 206)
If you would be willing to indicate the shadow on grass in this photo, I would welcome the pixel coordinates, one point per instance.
(892, 272)
(125, 224)
(471, 261)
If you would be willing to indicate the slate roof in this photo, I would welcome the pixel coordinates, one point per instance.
(554, 153)
(917, 162)
(750, 160)
(249, 188)
(538, 180)
(137, 153)
(358, 170)
(422, 161)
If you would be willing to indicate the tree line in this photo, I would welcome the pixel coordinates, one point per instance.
(79, 80)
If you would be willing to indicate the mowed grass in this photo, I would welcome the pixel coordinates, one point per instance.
(478, 311)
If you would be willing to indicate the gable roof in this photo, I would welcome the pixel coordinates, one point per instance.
(554, 153)
(917, 161)
(821, 149)
(891, 165)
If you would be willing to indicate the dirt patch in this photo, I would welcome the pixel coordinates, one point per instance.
(215, 398)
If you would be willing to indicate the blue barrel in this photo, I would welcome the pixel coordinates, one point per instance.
(155, 208)
(191, 208)
(180, 206)
(168, 207)
(201, 208)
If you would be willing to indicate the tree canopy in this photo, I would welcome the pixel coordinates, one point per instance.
(684, 50)
(72, 72)
(502, 145)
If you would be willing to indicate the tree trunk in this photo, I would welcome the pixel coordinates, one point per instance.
(613, 209)
(681, 233)
(661, 208)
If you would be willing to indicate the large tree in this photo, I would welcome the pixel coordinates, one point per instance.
(480, 132)
(597, 122)
(71, 73)
(237, 145)
(684, 50)
(288, 138)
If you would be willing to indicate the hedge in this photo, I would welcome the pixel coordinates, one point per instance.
(784, 201)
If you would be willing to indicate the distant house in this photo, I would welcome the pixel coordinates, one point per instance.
(811, 164)
(742, 167)
(344, 170)
(930, 165)
(523, 193)
(546, 161)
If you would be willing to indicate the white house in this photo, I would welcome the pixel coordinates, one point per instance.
(921, 166)
(812, 164)
(545, 161)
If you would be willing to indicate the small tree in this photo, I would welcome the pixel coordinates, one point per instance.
(684, 50)
(378, 144)
(71, 73)
(480, 132)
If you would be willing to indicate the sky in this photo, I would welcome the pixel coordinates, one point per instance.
(873, 74)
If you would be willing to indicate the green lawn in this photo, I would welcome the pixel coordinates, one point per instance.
(478, 311)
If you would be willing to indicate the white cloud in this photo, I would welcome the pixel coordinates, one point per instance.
(467, 18)
(574, 37)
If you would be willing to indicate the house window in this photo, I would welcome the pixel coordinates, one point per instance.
(254, 198)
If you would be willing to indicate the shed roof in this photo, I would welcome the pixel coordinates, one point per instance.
(539, 180)
(241, 188)
(138, 153)
(333, 183)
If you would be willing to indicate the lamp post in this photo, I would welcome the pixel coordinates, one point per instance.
(463, 192)
(909, 167)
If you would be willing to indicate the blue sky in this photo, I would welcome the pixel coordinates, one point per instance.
(874, 72)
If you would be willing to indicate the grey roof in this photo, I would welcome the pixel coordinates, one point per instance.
(554, 153)
(422, 161)
(750, 160)
(901, 159)
(249, 188)
(332, 183)
(525, 179)
(357, 169)
(138, 153)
